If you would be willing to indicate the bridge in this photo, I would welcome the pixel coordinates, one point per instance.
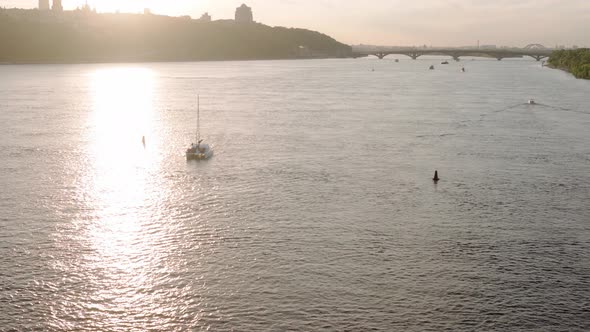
(535, 51)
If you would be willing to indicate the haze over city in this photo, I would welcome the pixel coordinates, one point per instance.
(387, 22)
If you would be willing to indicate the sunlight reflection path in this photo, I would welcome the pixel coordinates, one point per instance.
(123, 246)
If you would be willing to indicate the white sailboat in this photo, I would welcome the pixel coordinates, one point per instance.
(199, 151)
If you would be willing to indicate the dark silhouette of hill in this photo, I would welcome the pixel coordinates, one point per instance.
(32, 36)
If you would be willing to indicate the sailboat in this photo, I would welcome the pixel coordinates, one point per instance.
(199, 151)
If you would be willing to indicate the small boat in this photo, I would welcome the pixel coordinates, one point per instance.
(199, 151)
(431, 67)
(531, 102)
(396, 60)
(462, 69)
(444, 63)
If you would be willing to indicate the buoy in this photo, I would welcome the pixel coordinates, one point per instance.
(435, 178)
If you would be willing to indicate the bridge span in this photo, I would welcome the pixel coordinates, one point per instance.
(537, 53)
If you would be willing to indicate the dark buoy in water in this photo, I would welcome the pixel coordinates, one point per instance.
(435, 178)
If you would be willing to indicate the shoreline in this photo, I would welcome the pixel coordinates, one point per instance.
(563, 69)
(21, 63)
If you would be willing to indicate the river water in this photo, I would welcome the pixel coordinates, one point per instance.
(317, 211)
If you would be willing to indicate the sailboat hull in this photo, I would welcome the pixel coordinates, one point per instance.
(198, 155)
(200, 152)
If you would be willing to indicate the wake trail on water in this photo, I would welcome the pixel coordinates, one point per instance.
(562, 109)
(483, 116)
(535, 105)
(465, 124)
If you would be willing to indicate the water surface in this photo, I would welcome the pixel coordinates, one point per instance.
(317, 212)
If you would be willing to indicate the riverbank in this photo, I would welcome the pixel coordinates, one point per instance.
(34, 37)
(132, 61)
(576, 62)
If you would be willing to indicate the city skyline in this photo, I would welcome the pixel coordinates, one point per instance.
(425, 22)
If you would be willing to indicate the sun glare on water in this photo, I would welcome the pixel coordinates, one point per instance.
(123, 111)
(120, 164)
(122, 115)
(118, 191)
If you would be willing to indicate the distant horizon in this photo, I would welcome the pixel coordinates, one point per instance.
(389, 23)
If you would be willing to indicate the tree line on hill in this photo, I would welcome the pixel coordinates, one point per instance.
(31, 36)
(576, 61)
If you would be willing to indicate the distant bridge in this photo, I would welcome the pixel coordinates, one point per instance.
(535, 51)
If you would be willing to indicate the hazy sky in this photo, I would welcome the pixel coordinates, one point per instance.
(393, 22)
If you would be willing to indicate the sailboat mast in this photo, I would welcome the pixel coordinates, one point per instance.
(198, 122)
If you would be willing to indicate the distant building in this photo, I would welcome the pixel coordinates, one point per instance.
(205, 18)
(57, 7)
(86, 8)
(244, 14)
(43, 4)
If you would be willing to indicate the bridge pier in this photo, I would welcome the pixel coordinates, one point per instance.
(380, 55)
(538, 57)
(413, 55)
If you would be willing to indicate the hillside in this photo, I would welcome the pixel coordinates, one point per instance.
(31, 36)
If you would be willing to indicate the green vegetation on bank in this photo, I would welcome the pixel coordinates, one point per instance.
(576, 62)
(33, 36)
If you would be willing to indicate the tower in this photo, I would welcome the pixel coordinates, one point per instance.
(43, 4)
(244, 14)
(205, 18)
(57, 7)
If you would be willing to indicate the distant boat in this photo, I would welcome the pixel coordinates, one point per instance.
(396, 60)
(444, 63)
(531, 102)
(462, 69)
(199, 151)
(431, 67)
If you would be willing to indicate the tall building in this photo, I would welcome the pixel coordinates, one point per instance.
(43, 4)
(205, 18)
(57, 7)
(244, 14)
